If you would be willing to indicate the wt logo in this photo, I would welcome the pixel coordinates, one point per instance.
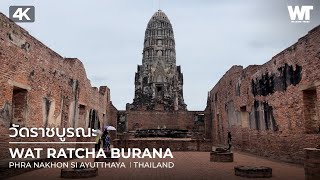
(22, 13)
(303, 13)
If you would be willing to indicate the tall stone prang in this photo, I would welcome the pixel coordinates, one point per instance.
(158, 81)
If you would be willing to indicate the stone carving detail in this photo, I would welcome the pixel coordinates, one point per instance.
(158, 80)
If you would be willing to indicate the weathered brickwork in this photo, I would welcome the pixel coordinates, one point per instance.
(158, 80)
(40, 88)
(162, 119)
(158, 101)
(271, 109)
(112, 120)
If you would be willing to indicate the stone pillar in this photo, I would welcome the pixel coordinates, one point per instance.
(312, 164)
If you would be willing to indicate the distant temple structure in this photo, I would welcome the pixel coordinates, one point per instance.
(158, 108)
(158, 80)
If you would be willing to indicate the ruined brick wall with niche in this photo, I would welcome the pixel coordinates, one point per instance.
(272, 109)
(40, 88)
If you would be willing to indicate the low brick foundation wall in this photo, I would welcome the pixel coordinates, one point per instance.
(221, 156)
(253, 172)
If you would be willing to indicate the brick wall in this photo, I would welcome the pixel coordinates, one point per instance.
(112, 120)
(113, 116)
(40, 88)
(155, 119)
(271, 109)
(185, 120)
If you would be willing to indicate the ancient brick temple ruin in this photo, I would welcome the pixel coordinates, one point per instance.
(40, 88)
(158, 80)
(158, 101)
(272, 109)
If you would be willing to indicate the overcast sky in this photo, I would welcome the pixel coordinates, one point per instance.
(211, 36)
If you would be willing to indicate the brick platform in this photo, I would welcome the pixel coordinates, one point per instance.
(253, 172)
(216, 156)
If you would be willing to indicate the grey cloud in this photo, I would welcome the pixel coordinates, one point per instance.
(211, 36)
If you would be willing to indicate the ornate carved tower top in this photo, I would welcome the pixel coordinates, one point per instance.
(158, 81)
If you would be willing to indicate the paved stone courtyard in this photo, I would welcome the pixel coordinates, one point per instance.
(188, 165)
